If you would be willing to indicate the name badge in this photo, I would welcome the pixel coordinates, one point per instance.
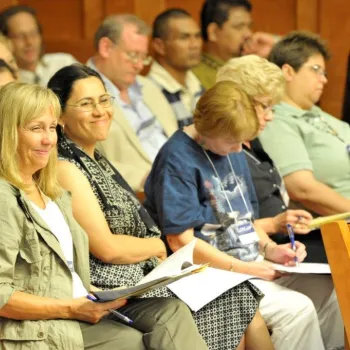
(245, 232)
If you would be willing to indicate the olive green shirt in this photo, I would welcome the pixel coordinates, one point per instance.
(32, 261)
(207, 69)
(312, 140)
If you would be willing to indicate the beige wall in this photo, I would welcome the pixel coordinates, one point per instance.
(69, 26)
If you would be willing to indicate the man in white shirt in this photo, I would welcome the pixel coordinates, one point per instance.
(177, 44)
(143, 119)
(21, 26)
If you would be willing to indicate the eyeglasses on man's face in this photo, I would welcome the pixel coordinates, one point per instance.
(88, 105)
(135, 57)
(317, 69)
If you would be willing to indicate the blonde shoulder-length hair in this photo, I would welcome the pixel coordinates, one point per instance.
(20, 103)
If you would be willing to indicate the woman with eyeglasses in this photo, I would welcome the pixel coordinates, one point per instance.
(125, 242)
(261, 79)
(44, 255)
(309, 146)
(200, 186)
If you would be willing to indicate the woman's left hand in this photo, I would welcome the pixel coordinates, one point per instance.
(299, 219)
(284, 254)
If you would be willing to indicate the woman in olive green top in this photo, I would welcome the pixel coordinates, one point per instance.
(44, 262)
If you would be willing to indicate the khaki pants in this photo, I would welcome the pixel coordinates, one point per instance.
(159, 323)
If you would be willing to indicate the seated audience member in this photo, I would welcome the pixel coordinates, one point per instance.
(200, 186)
(226, 31)
(6, 54)
(44, 261)
(125, 243)
(177, 43)
(20, 24)
(7, 75)
(143, 119)
(261, 79)
(309, 146)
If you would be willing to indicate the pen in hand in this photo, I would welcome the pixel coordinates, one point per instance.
(292, 241)
(119, 315)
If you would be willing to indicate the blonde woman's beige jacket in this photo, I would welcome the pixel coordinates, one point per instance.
(31, 261)
(123, 148)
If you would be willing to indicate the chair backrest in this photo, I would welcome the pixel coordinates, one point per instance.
(336, 238)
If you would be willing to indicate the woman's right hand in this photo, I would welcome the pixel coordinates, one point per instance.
(262, 269)
(83, 309)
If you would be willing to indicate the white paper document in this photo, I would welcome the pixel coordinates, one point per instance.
(201, 288)
(197, 289)
(304, 268)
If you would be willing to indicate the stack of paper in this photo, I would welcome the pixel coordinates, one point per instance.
(304, 268)
(196, 285)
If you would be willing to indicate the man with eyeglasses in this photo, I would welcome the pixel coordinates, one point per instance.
(21, 26)
(309, 146)
(143, 119)
(177, 44)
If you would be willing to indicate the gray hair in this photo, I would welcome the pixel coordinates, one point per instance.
(113, 25)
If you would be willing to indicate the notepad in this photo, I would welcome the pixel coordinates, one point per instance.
(322, 220)
(313, 268)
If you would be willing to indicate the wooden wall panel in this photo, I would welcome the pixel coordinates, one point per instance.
(69, 26)
(7, 3)
(307, 15)
(273, 17)
(63, 20)
(93, 14)
(121, 6)
(335, 28)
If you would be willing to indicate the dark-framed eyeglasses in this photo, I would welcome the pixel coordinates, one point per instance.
(88, 105)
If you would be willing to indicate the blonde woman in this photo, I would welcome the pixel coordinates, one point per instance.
(44, 261)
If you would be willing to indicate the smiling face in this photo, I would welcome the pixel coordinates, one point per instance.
(36, 141)
(305, 87)
(86, 128)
